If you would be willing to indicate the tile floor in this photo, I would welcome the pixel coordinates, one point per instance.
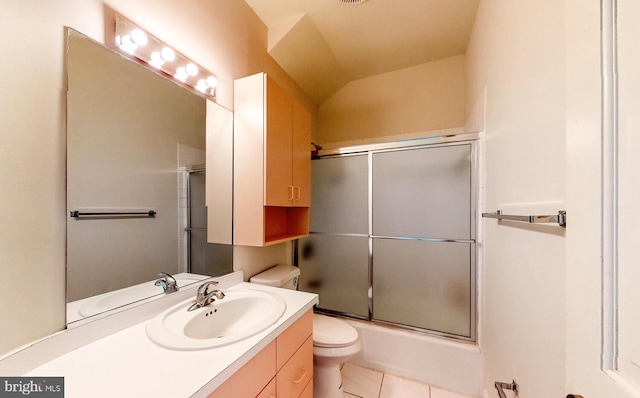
(358, 382)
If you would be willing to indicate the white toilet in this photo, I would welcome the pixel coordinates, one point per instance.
(334, 340)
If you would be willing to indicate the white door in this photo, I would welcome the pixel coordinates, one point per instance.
(603, 261)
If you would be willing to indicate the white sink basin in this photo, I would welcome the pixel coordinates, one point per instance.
(239, 315)
(131, 294)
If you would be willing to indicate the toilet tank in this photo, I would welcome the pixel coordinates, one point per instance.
(285, 276)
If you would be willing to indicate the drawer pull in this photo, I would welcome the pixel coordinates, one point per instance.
(299, 380)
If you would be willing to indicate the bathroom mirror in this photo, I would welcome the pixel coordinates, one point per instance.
(136, 154)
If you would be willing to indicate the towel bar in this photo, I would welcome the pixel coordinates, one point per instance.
(560, 218)
(150, 213)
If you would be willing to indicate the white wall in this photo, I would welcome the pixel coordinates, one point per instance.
(585, 194)
(223, 36)
(517, 54)
(411, 100)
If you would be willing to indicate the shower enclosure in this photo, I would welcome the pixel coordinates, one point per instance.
(393, 236)
(203, 258)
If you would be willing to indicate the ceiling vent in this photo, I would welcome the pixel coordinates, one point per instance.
(352, 1)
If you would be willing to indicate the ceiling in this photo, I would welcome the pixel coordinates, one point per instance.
(324, 44)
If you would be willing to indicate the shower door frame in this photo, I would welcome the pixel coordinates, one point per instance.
(432, 142)
(188, 228)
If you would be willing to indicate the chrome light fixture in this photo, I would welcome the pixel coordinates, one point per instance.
(134, 42)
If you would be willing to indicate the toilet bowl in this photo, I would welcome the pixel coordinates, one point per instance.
(334, 340)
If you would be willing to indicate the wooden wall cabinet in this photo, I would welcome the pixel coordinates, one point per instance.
(272, 163)
(284, 369)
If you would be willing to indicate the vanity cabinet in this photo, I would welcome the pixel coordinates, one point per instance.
(283, 369)
(272, 163)
(251, 379)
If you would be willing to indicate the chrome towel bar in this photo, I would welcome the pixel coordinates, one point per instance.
(150, 213)
(560, 218)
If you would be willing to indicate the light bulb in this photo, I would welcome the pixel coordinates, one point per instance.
(126, 41)
(139, 37)
(156, 60)
(127, 45)
(167, 54)
(156, 57)
(212, 81)
(192, 69)
(201, 86)
(181, 74)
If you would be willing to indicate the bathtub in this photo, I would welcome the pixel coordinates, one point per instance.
(451, 365)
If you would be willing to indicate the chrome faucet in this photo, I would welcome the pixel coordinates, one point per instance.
(204, 297)
(167, 282)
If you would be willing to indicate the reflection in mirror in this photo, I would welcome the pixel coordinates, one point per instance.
(135, 142)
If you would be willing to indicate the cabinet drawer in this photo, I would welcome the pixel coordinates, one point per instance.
(292, 338)
(297, 372)
(251, 378)
(308, 390)
(269, 391)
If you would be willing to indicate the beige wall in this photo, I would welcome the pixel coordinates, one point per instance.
(517, 53)
(411, 100)
(223, 36)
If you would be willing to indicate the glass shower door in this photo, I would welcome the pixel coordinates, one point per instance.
(205, 258)
(423, 238)
(393, 237)
(334, 258)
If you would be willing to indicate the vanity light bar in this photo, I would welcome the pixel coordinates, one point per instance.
(134, 42)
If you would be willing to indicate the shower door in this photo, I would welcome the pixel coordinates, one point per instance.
(334, 259)
(393, 237)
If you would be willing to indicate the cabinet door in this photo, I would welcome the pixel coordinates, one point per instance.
(301, 120)
(278, 146)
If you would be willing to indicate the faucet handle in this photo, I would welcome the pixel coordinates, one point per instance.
(167, 277)
(167, 282)
(204, 297)
(203, 289)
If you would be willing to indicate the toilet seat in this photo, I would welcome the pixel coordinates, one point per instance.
(331, 332)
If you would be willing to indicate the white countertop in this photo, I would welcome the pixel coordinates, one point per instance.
(128, 364)
(90, 304)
